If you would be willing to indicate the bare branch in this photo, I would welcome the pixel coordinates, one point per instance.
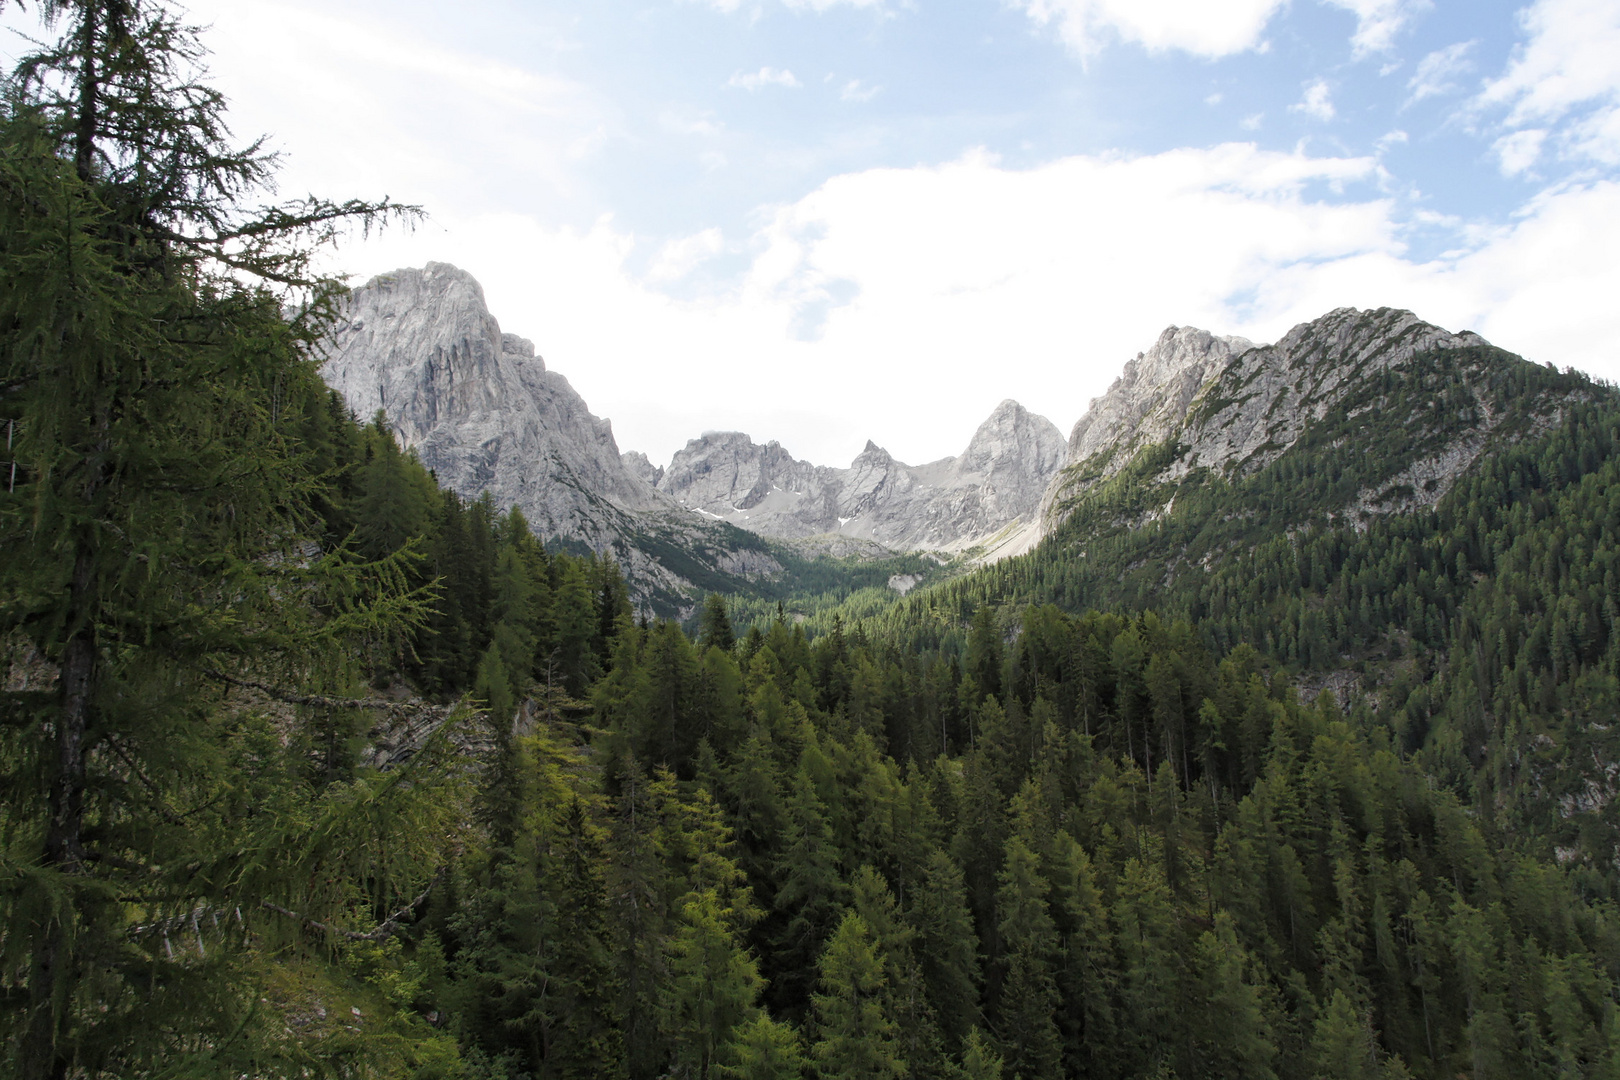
(381, 931)
(317, 701)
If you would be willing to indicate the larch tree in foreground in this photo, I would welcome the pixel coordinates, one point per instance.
(158, 558)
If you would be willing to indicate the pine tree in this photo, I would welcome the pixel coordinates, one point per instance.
(917, 1030)
(764, 1049)
(810, 895)
(155, 548)
(640, 887)
(713, 984)
(857, 1037)
(947, 944)
(979, 1059)
(1026, 1013)
(715, 627)
(1230, 1026)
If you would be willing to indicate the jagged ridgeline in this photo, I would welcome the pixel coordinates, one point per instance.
(486, 415)
(314, 767)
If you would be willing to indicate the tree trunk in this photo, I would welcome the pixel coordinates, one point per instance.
(84, 132)
(49, 977)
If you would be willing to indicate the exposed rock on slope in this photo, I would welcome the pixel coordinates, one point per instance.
(984, 495)
(1149, 400)
(481, 410)
(1198, 402)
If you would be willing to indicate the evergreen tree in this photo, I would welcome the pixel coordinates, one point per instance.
(764, 1049)
(1029, 997)
(979, 1059)
(947, 944)
(856, 1034)
(155, 546)
(811, 893)
(713, 984)
(715, 627)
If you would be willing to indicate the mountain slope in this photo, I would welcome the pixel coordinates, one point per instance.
(1209, 448)
(1418, 520)
(1225, 407)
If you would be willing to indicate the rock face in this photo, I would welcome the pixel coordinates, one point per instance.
(637, 463)
(977, 499)
(1149, 400)
(1230, 406)
(482, 410)
(477, 405)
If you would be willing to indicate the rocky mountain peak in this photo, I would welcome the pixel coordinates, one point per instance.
(639, 464)
(1013, 439)
(1349, 339)
(1153, 392)
(952, 504)
(1227, 404)
(482, 410)
(520, 347)
(872, 452)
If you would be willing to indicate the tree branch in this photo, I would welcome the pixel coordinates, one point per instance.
(381, 931)
(318, 701)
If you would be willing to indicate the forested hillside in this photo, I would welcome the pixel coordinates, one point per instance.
(313, 769)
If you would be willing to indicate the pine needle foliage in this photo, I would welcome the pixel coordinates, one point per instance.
(159, 526)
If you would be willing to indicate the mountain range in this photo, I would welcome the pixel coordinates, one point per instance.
(486, 414)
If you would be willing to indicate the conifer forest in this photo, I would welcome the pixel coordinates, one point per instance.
(310, 767)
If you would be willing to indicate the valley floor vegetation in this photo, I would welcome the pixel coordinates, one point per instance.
(311, 768)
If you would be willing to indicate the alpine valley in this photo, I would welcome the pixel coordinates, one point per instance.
(370, 712)
(481, 410)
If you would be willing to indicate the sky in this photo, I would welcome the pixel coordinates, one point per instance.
(828, 221)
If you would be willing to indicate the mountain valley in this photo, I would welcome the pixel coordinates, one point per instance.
(732, 515)
(370, 712)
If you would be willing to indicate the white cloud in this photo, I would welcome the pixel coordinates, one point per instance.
(680, 257)
(932, 293)
(1195, 26)
(1252, 122)
(1569, 60)
(1317, 102)
(765, 76)
(1379, 21)
(857, 91)
(1519, 150)
(824, 5)
(1566, 71)
(1598, 136)
(691, 123)
(1205, 27)
(1437, 72)
(1214, 99)
(895, 304)
(375, 111)
(729, 6)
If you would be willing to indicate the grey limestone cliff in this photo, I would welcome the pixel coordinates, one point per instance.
(975, 499)
(484, 412)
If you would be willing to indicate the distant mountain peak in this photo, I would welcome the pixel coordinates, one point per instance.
(953, 504)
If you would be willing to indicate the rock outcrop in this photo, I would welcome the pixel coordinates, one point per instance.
(977, 499)
(1230, 406)
(483, 411)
